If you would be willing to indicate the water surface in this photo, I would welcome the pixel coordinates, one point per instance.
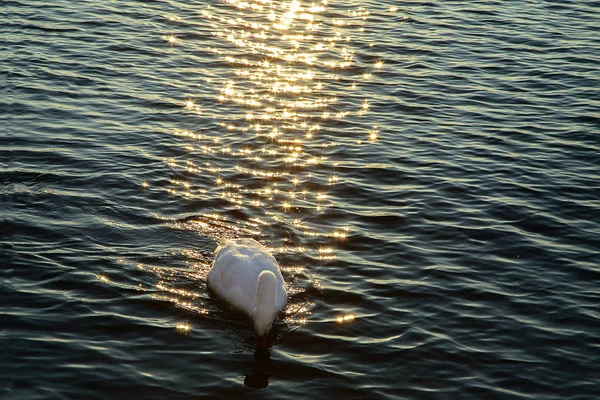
(425, 172)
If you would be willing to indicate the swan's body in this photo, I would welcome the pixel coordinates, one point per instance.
(247, 276)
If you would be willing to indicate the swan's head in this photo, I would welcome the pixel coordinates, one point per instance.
(264, 309)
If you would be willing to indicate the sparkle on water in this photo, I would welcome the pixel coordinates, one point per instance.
(342, 319)
(270, 113)
(285, 95)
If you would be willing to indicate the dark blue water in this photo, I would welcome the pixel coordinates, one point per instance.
(427, 174)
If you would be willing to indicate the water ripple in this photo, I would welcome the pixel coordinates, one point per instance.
(425, 172)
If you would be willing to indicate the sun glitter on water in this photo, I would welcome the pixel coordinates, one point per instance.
(343, 319)
(171, 39)
(291, 85)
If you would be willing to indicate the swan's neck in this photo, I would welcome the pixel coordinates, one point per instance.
(264, 309)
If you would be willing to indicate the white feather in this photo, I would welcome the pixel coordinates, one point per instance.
(234, 277)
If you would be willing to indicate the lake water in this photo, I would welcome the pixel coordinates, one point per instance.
(427, 173)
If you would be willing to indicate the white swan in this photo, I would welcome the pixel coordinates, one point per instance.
(247, 276)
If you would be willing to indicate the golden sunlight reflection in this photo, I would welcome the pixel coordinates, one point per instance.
(171, 39)
(290, 99)
(374, 134)
(183, 327)
(344, 319)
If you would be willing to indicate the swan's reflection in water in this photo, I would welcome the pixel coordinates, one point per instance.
(263, 355)
(258, 378)
(259, 374)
